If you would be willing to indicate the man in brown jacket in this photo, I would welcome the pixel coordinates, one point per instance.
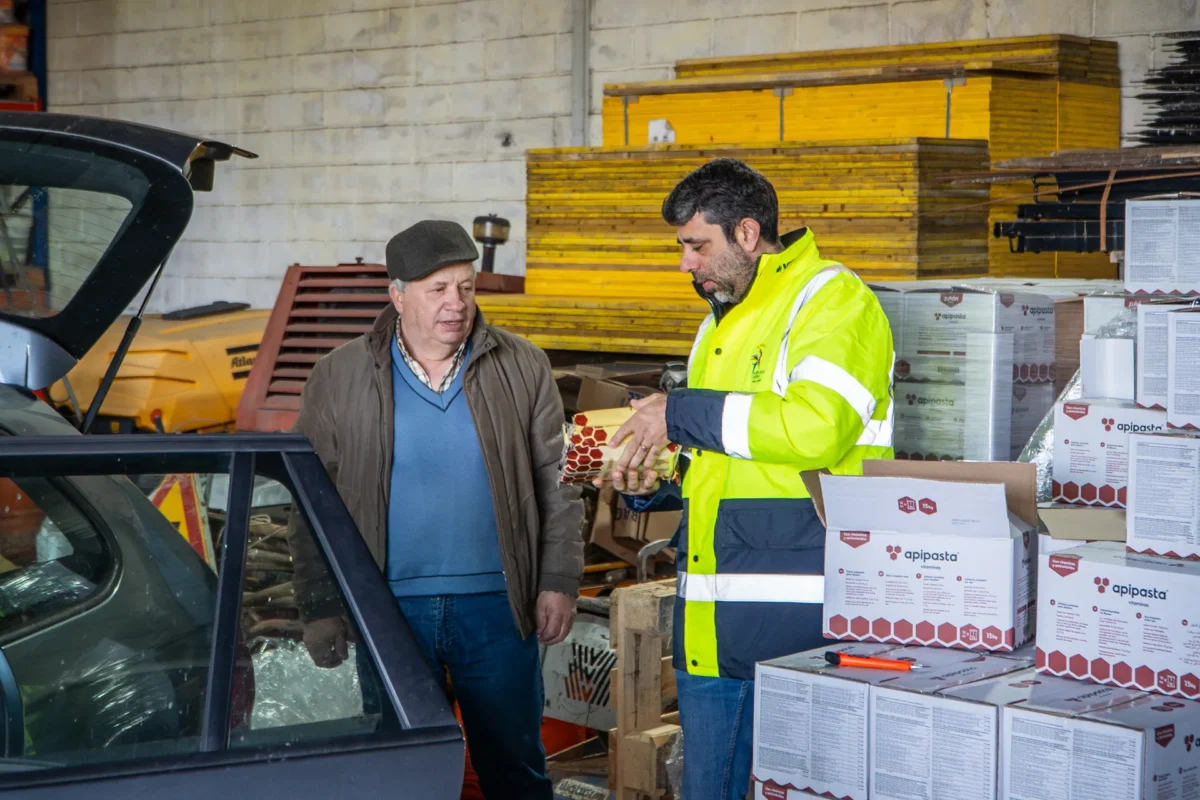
(443, 436)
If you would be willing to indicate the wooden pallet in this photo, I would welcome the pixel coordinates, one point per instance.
(643, 681)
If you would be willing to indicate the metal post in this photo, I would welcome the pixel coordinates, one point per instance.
(781, 93)
(626, 102)
(580, 77)
(950, 83)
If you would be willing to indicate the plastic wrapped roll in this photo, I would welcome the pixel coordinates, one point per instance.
(1040, 450)
(588, 452)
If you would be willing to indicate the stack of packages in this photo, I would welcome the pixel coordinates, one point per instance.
(599, 397)
(974, 371)
(937, 565)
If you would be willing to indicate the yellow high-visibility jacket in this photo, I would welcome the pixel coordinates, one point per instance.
(796, 377)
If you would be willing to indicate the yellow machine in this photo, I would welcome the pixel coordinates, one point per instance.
(184, 372)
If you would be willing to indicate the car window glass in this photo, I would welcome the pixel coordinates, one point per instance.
(106, 620)
(53, 235)
(294, 697)
(52, 558)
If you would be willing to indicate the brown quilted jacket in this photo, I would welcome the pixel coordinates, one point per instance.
(346, 413)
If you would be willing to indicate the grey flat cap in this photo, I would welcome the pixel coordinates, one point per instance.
(427, 247)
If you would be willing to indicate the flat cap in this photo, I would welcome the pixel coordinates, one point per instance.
(427, 247)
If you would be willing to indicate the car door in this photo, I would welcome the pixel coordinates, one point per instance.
(133, 663)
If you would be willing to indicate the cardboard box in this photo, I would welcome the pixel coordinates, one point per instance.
(1142, 749)
(966, 416)
(1068, 328)
(1183, 369)
(946, 745)
(937, 324)
(1119, 618)
(595, 395)
(1030, 405)
(1082, 524)
(919, 561)
(1091, 449)
(1106, 368)
(1160, 252)
(812, 729)
(1164, 496)
(891, 300)
(1152, 351)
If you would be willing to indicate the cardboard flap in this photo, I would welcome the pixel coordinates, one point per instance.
(812, 482)
(915, 506)
(1084, 523)
(1019, 479)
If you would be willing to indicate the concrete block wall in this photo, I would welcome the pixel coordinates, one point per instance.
(371, 114)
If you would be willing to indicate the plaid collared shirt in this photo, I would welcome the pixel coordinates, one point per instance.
(452, 373)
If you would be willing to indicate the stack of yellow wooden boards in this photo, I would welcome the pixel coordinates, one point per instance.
(1025, 96)
(864, 163)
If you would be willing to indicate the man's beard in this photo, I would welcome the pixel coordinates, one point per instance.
(731, 274)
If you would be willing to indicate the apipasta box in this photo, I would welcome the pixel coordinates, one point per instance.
(947, 745)
(938, 322)
(891, 300)
(1160, 254)
(1183, 369)
(1091, 449)
(1163, 517)
(812, 721)
(1030, 405)
(915, 560)
(1142, 749)
(1120, 618)
(1152, 344)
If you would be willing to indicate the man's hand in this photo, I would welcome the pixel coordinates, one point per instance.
(555, 617)
(325, 640)
(646, 431)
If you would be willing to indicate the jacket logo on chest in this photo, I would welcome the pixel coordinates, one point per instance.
(756, 368)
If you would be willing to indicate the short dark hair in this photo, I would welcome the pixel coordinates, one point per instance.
(725, 191)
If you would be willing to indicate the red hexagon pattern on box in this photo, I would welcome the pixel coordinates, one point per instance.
(1057, 662)
(927, 506)
(1078, 666)
(947, 633)
(969, 635)
(925, 632)
(1039, 658)
(992, 636)
(1100, 669)
(1088, 493)
(903, 630)
(1143, 678)
(860, 626)
(838, 625)
(907, 505)
(881, 629)
(1190, 685)
(1168, 681)
(1123, 673)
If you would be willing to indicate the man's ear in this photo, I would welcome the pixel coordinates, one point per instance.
(748, 234)
(397, 297)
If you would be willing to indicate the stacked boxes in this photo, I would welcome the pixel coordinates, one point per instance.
(1164, 496)
(960, 352)
(1091, 449)
(821, 729)
(1160, 255)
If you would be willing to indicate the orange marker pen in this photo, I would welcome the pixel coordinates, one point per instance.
(843, 660)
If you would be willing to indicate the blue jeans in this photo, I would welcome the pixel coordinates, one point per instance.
(717, 715)
(497, 680)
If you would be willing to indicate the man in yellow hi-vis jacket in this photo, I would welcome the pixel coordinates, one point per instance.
(791, 372)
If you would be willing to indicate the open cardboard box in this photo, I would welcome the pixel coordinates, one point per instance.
(1059, 520)
(912, 559)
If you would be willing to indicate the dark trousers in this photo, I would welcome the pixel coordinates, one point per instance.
(497, 680)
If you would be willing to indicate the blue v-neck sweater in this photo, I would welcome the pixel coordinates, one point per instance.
(442, 535)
